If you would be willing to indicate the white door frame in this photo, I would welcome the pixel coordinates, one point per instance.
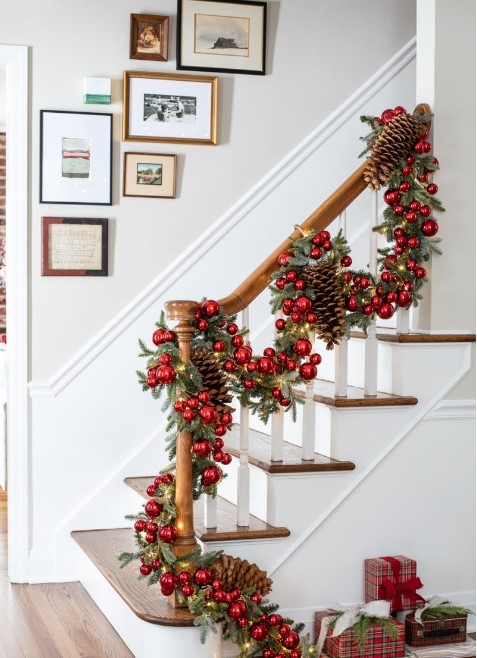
(15, 60)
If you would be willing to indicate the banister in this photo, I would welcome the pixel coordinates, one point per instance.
(322, 217)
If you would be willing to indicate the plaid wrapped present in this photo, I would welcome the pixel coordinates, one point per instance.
(345, 645)
(447, 630)
(392, 578)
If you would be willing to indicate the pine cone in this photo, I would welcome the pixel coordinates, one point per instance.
(213, 379)
(394, 143)
(329, 303)
(236, 573)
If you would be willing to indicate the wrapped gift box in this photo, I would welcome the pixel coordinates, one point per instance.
(446, 630)
(378, 644)
(394, 579)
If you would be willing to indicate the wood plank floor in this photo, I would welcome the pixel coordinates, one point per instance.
(53, 620)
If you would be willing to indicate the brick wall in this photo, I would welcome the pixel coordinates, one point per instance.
(2, 220)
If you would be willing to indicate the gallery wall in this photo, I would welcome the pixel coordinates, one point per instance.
(318, 54)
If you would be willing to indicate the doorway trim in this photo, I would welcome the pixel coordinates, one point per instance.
(15, 60)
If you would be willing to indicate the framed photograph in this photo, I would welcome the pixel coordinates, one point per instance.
(149, 37)
(76, 157)
(73, 246)
(164, 107)
(217, 35)
(150, 174)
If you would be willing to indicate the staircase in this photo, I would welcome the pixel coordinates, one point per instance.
(298, 499)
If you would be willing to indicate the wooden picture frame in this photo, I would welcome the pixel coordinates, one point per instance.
(165, 107)
(150, 175)
(76, 157)
(149, 36)
(74, 246)
(221, 35)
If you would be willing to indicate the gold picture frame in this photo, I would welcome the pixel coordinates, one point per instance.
(149, 36)
(151, 175)
(165, 107)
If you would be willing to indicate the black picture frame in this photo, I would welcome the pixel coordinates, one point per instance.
(247, 20)
(76, 163)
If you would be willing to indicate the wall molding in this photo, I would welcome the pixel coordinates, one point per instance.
(452, 410)
(196, 251)
(422, 413)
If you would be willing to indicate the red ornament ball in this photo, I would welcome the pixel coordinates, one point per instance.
(291, 641)
(188, 415)
(151, 490)
(202, 448)
(308, 371)
(232, 328)
(226, 459)
(168, 533)
(169, 580)
(226, 418)
(248, 384)
(404, 298)
(284, 630)
(202, 325)
(315, 359)
(145, 569)
(229, 366)
(432, 188)
(237, 341)
(211, 475)
(274, 619)
(187, 590)
(140, 525)
(158, 337)
(420, 273)
(269, 653)
(265, 365)
(303, 304)
(259, 631)
(165, 360)
(386, 311)
(346, 261)
(281, 282)
(284, 258)
(429, 227)
(184, 577)
(208, 415)
(203, 576)
(411, 217)
(237, 610)
(425, 211)
(291, 276)
(218, 346)
(210, 308)
(152, 509)
(256, 598)
(302, 347)
(296, 653)
(315, 253)
(387, 116)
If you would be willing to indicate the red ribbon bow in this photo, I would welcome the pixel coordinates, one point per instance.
(393, 591)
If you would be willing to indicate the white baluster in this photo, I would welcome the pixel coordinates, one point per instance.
(309, 418)
(210, 512)
(243, 473)
(403, 320)
(371, 347)
(276, 448)
(341, 350)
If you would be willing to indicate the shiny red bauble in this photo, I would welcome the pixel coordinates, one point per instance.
(237, 609)
(404, 298)
(302, 347)
(151, 490)
(352, 303)
(237, 341)
(210, 308)
(184, 577)
(259, 631)
(303, 304)
(165, 360)
(232, 328)
(169, 336)
(151, 378)
(315, 253)
(296, 653)
(425, 211)
(188, 415)
(284, 630)
(218, 455)
(152, 509)
(218, 346)
(389, 261)
(391, 296)
(300, 283)
(211, 475)
(168, 533)
(327, 245)
(202, 325)
(308, 371)
(226, 459)
(432, 188)
(284, 258)
(158, 337)
(281, 282)
(248, 384)
(274, 619)
(265, 365)
(420, 273)
(411, 217)
(315, 359)
(391, 197)
(413, 243)
(202, 448)
(165, 374)
(407, 170)
(203, 576)
(151, 537)
(346, 261)
(387, 116)
(386, 311)
(187, 590)
(226, 418)
(256, 598)
(280, 324)
(429, 227)
(291, 276)
(368, 309)
(192, 403)
(139, 525)
(405, 186)
(169, 580)
(269, 653)
(291, 641)
(284, 402)
(386, 277)
(229, 366)
(145, 569)
(208, 415)
(296, 317)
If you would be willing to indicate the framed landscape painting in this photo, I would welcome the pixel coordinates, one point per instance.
(149, 175)
(164, 107)
(216, 35)
(75, 157)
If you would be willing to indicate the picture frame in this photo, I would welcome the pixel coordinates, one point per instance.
(150, 175)
(149, 36)
(76, 157)
(74, 246)
(165, 107)
(227, 36)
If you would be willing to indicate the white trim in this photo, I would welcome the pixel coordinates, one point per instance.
(197, 250)
(15, 59)
(452, 410)
(375, 463)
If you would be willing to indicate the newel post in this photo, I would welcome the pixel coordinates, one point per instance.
(183, 313)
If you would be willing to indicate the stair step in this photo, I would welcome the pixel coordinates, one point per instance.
(227, 528)
(324, 392)
(390, 336)
(147, 603)
(259, 455)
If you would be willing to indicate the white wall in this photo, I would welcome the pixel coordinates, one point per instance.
(311, 46)
(2, 98)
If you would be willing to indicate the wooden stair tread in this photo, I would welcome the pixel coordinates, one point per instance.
(227, 529)
(390, 336)
(102, 546)
(324, 392)
(259, 455)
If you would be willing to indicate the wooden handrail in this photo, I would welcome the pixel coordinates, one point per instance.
(322, 217)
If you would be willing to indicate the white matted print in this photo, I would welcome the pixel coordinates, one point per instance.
(149, 175)
(75, 157)
(215, 35)
(169, 108)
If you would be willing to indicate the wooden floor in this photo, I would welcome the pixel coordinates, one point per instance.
(51, 620)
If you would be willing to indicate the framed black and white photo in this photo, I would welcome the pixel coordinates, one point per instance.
(221, 35)
(164, 107)
(76, 157)
(149, 175)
